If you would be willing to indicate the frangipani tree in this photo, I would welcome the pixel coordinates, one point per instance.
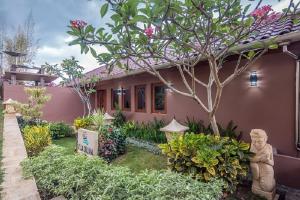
(72, 75)
(181, 33)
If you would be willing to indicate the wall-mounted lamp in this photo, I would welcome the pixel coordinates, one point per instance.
(120, 91)
(253, 79)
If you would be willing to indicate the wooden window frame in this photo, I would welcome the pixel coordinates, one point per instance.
(123, 97)
(112, 98)
(153, 85)
(136, 98)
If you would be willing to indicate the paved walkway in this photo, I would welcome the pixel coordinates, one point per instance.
(14, 186)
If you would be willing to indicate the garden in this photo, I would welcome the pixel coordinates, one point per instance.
(134, 160)
(101, 156)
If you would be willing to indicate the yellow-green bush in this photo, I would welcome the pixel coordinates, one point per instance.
(36, 138)
(82, 122)
(209, 156)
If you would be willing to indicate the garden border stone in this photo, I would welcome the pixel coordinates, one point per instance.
(149, 146)
(14, 185)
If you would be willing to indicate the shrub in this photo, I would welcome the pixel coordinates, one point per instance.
(83, 122)
(36, 138)
(81, 177)
(107, 148)
(119, 118)
(98, 119)
(199, 127)
(209, 156)
(30, 122)
(60, 130)
(146, 131)
(112, 142)
(37, 97)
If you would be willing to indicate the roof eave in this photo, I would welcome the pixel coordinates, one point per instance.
(288, 37)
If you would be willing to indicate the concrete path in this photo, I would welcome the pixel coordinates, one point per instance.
(14, 186)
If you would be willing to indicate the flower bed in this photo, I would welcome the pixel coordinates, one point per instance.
(80, 177)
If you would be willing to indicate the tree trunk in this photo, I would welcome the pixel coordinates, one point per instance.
(89, 106)
(214, 125)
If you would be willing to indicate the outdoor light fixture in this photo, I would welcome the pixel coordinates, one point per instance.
(253, 79)
(120, 91)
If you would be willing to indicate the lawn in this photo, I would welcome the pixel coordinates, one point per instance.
(135, 158)
(138, 159)
(67, 142)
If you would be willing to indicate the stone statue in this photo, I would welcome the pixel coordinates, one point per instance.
(262, 165)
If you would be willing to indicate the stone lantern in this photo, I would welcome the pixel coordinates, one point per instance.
(108, 118)
(9, 106)
(173, 128)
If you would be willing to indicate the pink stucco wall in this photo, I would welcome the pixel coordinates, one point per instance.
(270, 106)
(65, 104)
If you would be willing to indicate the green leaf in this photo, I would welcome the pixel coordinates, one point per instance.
(273, 46)
(74, 42)
(89, 28)
(138, 18)
(251, 54)
(104, 9)
(93, 52)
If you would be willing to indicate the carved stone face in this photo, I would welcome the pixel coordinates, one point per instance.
(258, 142)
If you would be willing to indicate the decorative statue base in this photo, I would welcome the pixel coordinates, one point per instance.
(262, 165)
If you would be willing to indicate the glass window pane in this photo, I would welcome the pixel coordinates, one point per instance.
(115, 99)
(141, 98)
(126, 99)
(159, 98)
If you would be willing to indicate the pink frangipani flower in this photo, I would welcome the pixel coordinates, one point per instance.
(149, 31)
(79, 24)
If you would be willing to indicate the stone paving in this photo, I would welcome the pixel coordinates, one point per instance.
(14, 186)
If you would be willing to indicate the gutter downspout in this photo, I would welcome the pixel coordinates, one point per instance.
(291, 54)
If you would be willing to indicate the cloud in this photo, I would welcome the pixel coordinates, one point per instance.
(54, 54)
(282, 4)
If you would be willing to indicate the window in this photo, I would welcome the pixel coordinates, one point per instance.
(158, 98)
(140, 98)
(114, 99)
(126, 99)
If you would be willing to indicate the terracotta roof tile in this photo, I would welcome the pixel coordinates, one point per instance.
(279, 28)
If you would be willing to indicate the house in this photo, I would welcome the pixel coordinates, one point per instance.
(266, 97)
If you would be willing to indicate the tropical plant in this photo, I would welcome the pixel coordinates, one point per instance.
(37, 97)
(30, 122)
(112, 142)
(146, 131)
(83, 122)
(81, 177)
(119, 118)
(36, 138)
(209, 156)
(181, 33)
(199, 127)
(107, 148)
(60, 130)
(230, 131)
(98, 119)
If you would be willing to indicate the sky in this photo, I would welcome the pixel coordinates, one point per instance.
(51, 19)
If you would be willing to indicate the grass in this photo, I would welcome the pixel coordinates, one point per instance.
(67, 142)
(138, 159)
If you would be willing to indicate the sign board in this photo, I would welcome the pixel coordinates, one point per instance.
(87, 142)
